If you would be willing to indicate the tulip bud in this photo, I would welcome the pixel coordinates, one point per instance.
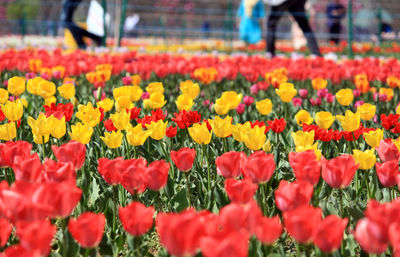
(248, 100)
(240, 108)
(303, 93)
(297, 101)
(322, 92)
(254, 89)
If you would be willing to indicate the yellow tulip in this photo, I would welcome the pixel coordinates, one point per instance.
(345, 96)
(229, 100)
(313, 147)
(255, 138)
(88, 114)
(107, 104)
(155, 87)
(33, 85)
(158, 129)
(113, 139)
(221, 127)
(388, 92)
(367, 111)
(264, 107)
(366, 159)
(303, 117)
(8, 131)
(319, 83)
(67, 91)
(81, 133)
(302, 138)
(3, 95)
(59, 127)
(16, 85)
(286, 92)
(239, 130)
(373, 138)
(135, 93)
(46, 89)
(184, 102)
(221, 107)
(13, 110)
(120, 119)
(324, 119)
(40, 139)
(42, 126)
(155, 101)
(350, 122)
(136, 80)
(123, 102)
(189, 88)
(48, 101)
(267, 146)
(200, 134)
(396, 142)
(136, 136)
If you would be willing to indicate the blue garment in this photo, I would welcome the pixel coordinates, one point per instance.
(249, 28)
(332, 17)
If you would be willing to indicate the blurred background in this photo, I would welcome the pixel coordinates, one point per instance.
(175, 21)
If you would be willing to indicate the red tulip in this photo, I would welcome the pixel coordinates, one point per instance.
(229, 164)
(260, 167)
(184, 158)
(28, 169)
(329, 233)
(269, 230)
(339, 172)
(169, 230)
(240, 191)
(156, 175)
(133, 175)
(171, 131)
(233, 244)
(5, 231)
(36, 235)
(388, 151)
(305, 166)
(302, 222)
(365, 235)
(109, 125)
(58, 171)
(87, 229)
(12, 149)
(387, 172)
(110, 170)
(394, 237)
(72, 151)
(20, 251)
(136, 218)
(290, 196)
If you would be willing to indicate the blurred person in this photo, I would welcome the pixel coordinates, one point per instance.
(130, 25)
(251, 14)
(68, 9)
(335, 12)
(297, 10)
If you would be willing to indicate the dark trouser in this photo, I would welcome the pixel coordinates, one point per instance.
(296, 9)
(334, 32)
(69, 7)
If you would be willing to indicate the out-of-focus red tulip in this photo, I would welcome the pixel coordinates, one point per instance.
(388, 151)
(136, 218)
(269, 230)
(184, 158)
(12, 149)
(110, 170)
(229, 164)
(36, 235)
(302, 222)
(365, 235)
(29, 169)
(72, 151)
(169, 229)
(233, 244)
(260, 167)
(156, 175)
(58, 171)
(305, 166)
(133, 175)
(87, 229)
(329, 233)
(387, 172)
(339, 172)
(394, 237)
(290, 196)
(20, 251)
(240, 191)
(5, 231)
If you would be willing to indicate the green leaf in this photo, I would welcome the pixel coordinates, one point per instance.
(179, 201)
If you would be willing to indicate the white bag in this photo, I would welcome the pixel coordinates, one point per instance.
(94, 20)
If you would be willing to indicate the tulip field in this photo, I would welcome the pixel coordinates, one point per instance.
(134, 154)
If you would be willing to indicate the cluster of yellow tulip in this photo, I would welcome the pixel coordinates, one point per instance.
(189, 92)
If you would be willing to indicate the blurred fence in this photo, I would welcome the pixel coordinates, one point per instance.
(183, 19)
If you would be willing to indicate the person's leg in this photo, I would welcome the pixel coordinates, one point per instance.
(299, 14)
(276, 13)
(336, 31)
(69, 7)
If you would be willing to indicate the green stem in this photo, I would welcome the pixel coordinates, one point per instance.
(341, 202)
(115, 205)
(87, 251)
(188, 188)
(225, 144)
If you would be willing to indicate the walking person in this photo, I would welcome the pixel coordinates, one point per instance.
(251, 15)
(297, 10)
(335, 12)
(68, 9)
